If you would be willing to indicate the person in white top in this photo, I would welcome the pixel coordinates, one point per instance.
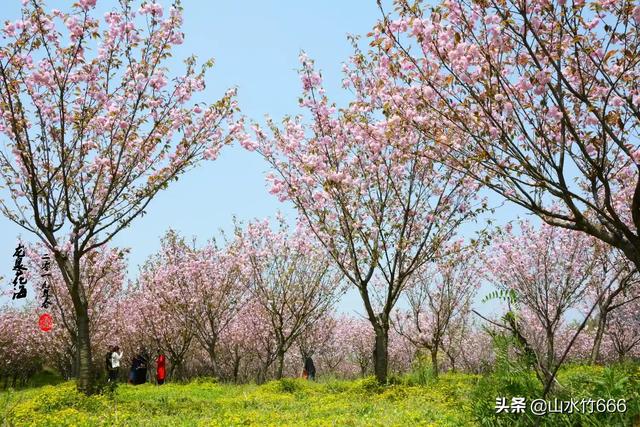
(116, 355)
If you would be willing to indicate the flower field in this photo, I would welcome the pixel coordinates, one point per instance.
(449, 233)
(452, 400)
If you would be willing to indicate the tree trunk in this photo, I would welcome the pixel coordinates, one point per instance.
(380, 353)
(213, 359)
(73, 367)
(172, 369)
(236, 367)
(597, 342)
(549, 364)
(70, 271)
(75, 364)
(177, 363)
(434, 361)
(86, 378)
(551, 351)
(363, 370)
(280, 366)
(452, 360)
(632, 251)
(262, 375)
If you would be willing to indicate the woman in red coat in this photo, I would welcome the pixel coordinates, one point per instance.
(160, 369)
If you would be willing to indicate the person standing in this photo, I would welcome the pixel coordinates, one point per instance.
(134, 371)
(139, 366)
(160, 369)
(108, 363)
(116, 355)
(310, 368)
(132, 374)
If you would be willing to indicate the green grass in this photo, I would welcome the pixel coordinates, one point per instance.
(451, 400)
(278, 403)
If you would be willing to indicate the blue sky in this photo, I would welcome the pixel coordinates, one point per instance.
(256, 46)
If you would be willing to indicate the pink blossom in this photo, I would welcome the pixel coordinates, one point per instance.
(636, 14)
(87, 4)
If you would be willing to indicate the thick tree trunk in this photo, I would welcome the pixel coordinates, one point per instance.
(597, 342)
(549, 364)
(172, 370)
(262, 375)
(631, 250)
(75, 364)
(236, 367)
(213, 360)
(280, 364)
(70, 270)
(73, 367)
(177, 365)
(86, 378)
(380, 353)
(434, 361)
(551, 351)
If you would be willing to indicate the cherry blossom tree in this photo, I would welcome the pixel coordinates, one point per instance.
(361, 183)
(290, 278)
(22, 345)
(544, 272)
(454, 340)
(329, 341)
(162, 331)
(102, 272)
(623, 330)
(243, 344)
(615, 284)
(439, 299)
(96, 127)
(536, 99)
(220, 293)
(321, 341)
(468, 347)
(357, 339)
(317, 336)
(162, 307)
(248, 347)
(202, 287)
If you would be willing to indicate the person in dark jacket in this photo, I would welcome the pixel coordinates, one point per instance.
(132, 375)
(108, 364)
(310, 368)
(140, 367)
(138, 373)
(133, 372)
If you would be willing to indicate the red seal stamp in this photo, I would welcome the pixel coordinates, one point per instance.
(45, 322)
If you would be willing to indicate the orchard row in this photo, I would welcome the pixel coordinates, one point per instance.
(534, 101)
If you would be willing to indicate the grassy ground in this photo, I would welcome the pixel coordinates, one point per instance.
(416, 399)
(286, 402)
